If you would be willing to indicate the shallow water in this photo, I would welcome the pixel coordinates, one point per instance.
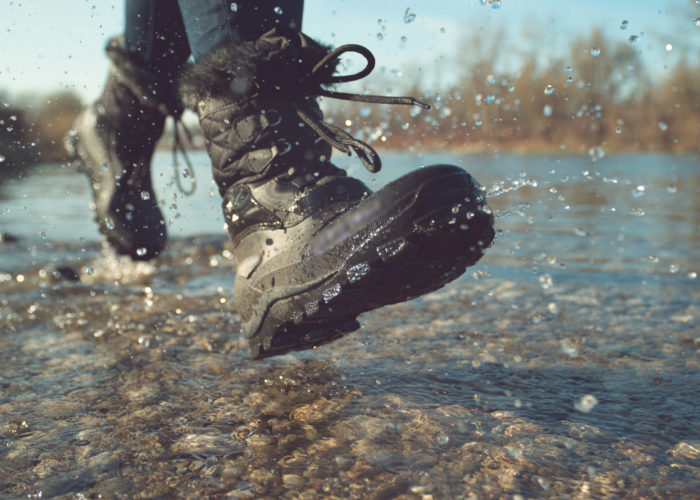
(565, 364)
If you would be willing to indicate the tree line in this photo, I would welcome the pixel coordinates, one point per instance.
(598, 98)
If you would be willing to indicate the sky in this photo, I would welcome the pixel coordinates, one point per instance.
(47, 45)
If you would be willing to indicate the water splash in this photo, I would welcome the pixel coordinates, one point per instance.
(500, 188)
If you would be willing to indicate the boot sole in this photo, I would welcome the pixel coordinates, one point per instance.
(398, 258)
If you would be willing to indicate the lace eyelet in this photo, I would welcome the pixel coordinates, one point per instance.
(283, 147)
(272, 116)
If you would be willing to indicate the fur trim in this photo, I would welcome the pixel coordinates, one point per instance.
(145, 85)
(237, 70)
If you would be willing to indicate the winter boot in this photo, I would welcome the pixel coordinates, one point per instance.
(314, 247)
(112, 141)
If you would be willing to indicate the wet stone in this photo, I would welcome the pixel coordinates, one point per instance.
(459, 394)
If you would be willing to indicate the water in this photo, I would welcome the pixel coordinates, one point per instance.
(564, 364)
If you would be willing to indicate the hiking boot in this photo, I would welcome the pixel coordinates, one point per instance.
(314, 247)
(112, 142)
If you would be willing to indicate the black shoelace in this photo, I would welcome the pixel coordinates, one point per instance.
(335, 136)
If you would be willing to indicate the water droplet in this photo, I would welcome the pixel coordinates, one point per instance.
(618, 130)
(494, 4)
(634, 38)
(278, 10)
(580, 232)
(415, 111)
(653, 259)
(365, 112)
(595, 51)
(311, 307)
(586, 403)
(672, 188)
(637, 212)
(624, 24)
(109, 223)
(511, 88)
(2, 158)
(639, 191)
(442, 439)
(145, 195)
(357, 272)
(553, 308)
(596, 153)
(141, 251)
(547, 110)
(546, 281)
(408, 16)
(696, 22)
(490, 98)
(548, 90)
(234, 7)
(331, 292)
(669, 47)
(391, 248)
(663, 126)
(673, 268)
(692, 275)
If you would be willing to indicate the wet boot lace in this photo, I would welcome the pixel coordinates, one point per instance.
(335, 136)
(188, 172)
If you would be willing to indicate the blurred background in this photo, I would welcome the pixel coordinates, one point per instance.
(546, 75)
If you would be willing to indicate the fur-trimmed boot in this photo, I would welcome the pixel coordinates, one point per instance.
(112, 142)
(314, 247)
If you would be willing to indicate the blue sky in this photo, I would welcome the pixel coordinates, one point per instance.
(44, 47)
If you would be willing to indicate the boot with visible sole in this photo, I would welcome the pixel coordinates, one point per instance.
(112, 142)
(314, 247)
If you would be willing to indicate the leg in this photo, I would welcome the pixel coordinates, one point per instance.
(210, 23)
(113, 140)
(154, 35)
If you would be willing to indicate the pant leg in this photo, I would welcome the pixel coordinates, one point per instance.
(155, 35)
(209, 23)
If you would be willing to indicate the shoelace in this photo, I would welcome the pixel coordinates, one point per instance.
(335, 136)
(178, 147)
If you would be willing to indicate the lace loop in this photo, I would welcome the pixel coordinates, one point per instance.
(335, 136)
(324, 63)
